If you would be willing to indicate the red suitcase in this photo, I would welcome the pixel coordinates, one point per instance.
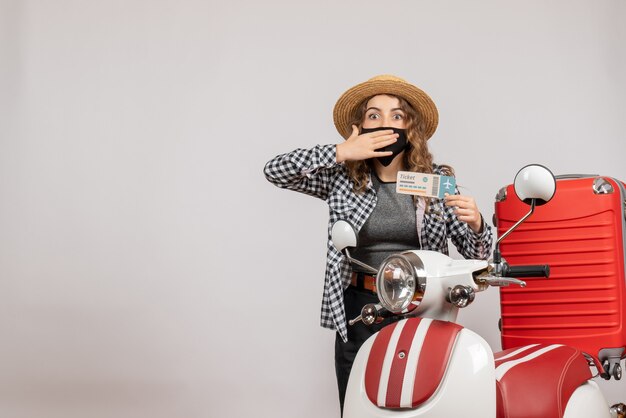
(580, 234)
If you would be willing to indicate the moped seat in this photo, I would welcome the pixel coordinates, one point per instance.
(538, 380)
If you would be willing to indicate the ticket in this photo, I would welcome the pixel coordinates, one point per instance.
(427, 185)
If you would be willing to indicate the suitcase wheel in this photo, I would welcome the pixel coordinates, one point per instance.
(612, 369)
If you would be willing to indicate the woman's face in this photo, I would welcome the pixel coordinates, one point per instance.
(383, 110)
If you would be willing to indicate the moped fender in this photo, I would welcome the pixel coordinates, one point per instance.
(467, 388)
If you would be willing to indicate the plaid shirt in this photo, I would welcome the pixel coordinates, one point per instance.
(316, 172)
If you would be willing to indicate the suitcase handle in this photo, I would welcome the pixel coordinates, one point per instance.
(575, 176)
(527, 271)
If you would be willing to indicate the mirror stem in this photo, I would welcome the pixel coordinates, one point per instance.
(369, 269)
(496, 252)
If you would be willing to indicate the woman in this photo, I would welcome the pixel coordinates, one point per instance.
(386, 123)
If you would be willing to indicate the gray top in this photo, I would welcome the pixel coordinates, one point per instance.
(391, 228)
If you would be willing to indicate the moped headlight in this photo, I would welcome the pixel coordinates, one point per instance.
(401, 280)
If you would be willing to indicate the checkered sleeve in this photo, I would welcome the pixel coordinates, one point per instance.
(470, 244)
(304, 170)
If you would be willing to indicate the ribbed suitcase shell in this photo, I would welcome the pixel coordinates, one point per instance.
(580, 234)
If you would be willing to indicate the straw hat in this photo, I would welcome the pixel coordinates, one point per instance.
(384, 84)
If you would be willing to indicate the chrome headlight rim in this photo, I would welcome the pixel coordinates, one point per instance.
(413, 266)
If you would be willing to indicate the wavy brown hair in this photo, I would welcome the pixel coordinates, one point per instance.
(417, 157)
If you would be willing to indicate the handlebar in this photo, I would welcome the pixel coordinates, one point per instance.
(542, 270)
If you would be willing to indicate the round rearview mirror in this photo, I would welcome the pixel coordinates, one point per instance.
(343, 235)
(535, 182)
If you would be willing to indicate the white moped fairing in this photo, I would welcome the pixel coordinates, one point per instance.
(426, 380)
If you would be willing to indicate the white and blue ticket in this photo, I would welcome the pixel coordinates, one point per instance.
(427, 185)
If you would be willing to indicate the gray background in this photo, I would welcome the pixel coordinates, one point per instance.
(147, 269)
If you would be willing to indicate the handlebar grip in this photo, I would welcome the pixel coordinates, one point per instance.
(528, 271)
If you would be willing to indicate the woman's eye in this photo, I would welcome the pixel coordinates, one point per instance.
(373, 116)
(398, 116)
